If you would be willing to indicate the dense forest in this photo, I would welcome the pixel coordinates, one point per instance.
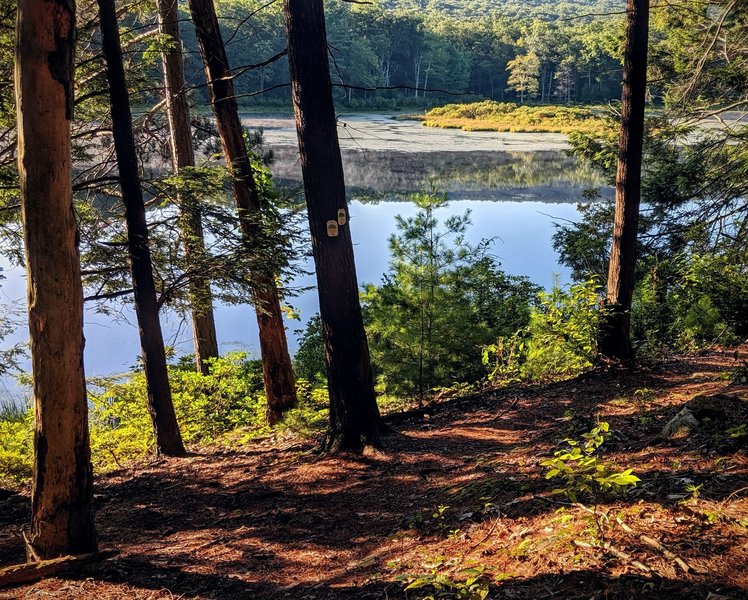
(392, 54)
(450, 430)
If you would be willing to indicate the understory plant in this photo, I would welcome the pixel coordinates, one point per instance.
(559, 342)
(467, 584)
(442, 300)
(16, 435)
(581, 471)
(230, 396)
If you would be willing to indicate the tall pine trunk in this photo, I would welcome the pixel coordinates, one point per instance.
(615, 335)
(280, 386)
(167, 436)
(183, 155)
(354, 415)
(61, 496)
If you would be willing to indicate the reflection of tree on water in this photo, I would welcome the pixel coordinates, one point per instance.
(546, 176)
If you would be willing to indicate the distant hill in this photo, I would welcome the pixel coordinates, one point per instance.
(520, 8)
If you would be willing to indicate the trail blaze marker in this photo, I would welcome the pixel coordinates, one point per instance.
(342, 216)
(332, 229)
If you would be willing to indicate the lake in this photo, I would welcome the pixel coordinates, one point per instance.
(516, 186)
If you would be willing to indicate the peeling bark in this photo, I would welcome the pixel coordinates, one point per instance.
(61, 495)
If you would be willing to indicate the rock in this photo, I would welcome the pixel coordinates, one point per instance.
(681, 425)
(698, 410)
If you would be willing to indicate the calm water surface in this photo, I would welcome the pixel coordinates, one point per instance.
(515, 186)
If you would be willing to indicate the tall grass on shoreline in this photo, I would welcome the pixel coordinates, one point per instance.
(12, 412)
(515, 118)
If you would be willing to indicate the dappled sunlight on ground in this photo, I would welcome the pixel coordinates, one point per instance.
(459, 486)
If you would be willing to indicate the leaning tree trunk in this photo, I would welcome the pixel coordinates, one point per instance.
(167, 436)
(183, 155)
(61, 495)
(276, 362)
(615, 334)
(354, 416)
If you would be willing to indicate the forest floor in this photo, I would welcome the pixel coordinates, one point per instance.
(457, 493)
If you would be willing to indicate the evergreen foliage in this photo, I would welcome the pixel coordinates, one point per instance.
(441, 302)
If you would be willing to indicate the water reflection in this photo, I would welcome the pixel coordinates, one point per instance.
(541, 176)
(513, 195)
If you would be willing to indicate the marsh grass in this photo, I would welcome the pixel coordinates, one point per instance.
(508, 117)
(12, 412)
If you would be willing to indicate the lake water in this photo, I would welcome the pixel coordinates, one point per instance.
(515, 185)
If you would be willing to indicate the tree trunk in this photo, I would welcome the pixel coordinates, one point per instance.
(183, 155)
(167, 436)
(280, 386)
(615, 338)
(61, 495)
(354, 416)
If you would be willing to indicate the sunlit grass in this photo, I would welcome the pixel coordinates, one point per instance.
(514, 118)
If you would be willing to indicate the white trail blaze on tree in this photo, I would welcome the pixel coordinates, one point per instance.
(354, 416)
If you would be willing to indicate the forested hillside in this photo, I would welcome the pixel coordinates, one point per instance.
(470, 9)
(401, 55)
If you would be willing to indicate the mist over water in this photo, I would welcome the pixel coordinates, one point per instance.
(515, 186)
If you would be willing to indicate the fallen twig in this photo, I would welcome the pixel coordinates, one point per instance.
(653, 543)
(617, 552)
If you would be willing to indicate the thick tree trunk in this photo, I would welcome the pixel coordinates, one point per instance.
(167, 436)
(354, 416)
(280, 386)
(183, 155)
(62, 516)
(615, 335)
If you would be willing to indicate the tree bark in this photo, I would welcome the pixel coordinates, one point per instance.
(166, 430)
(183, 155)
(354, 415)
(280, 386)
(61, 496)
(615, 334)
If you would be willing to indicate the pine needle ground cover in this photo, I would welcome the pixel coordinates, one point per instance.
(458, 504)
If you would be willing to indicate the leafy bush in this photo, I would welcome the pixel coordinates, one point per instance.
(16, 436)
(309, 360)
(474, 586)
(227, 406)
(207, 407)
(310, 417)
(559, 342)
(689, 301)
(582, 472)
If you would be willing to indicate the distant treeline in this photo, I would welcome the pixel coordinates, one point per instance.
(419, 53)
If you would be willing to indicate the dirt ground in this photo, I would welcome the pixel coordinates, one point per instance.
(457, 486)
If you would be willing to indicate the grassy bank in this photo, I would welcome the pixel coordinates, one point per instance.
(508, 117)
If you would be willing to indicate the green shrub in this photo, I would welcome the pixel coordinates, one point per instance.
(309, 360)
(441, 302)
(207, 407)
(310, 417)
(689, 301)
(16, 443)
(489, 115)
(227, 406)
(582, 472)
(560, 341)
